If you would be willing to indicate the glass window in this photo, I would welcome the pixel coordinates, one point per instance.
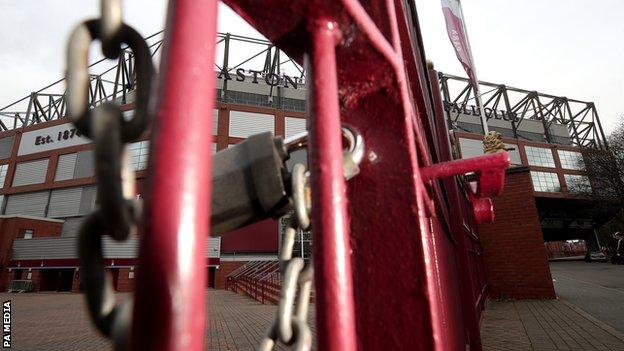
(539, 156)
(28, 233)
(470, 147)
(545, 182)
(128, 115)
(139, 153)
(571, 159)
(577, 183)
(514, 155)
(3, 173)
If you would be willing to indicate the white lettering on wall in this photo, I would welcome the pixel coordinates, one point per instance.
(63, 135)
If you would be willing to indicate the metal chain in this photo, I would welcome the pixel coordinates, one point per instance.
(291, 327)
(118, 211)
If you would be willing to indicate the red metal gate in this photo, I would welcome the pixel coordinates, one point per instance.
(396, 253)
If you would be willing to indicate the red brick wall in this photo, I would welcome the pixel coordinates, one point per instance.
(76, 281)
(515, 258)
(36, 278)
(10, 229)
(124, 282)
(225, 268)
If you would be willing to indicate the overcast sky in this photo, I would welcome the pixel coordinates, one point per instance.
(568, 48)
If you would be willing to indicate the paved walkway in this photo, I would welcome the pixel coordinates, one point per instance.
(545, 325)
(59, 321)
(597, 288)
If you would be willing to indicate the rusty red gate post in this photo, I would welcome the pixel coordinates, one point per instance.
(169, 305)
(330, 221)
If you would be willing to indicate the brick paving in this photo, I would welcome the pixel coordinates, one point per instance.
(544, 325)
(59, 321)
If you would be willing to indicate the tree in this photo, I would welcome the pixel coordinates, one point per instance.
(605, 171)
(605, 168)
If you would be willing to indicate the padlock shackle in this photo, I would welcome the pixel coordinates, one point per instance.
(354, 139)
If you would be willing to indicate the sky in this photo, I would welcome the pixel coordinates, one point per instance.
(567, 48)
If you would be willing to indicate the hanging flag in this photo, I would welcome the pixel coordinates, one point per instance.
(457, 34)
(456, 29)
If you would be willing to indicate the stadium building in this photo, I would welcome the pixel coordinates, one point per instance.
(545, 194)
(48, 185)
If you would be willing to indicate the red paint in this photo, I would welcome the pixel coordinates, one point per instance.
(330, 222)
(472, 284)
(483, 209)
(169, 304)
(405, 295)
(490, 171)
(255, 238)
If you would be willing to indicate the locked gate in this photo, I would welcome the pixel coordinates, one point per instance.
(396, 258)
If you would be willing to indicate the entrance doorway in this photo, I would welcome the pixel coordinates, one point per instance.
(56, 279)
(114, 272)
(210, 281)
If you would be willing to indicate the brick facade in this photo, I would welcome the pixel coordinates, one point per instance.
(12, 227)
(76, 281)
(125, 279)
(515, 258)
(225, 268)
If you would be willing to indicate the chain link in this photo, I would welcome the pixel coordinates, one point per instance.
(118, 211)
(111, 14)
(290, 326)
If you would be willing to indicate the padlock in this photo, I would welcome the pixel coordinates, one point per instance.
(249, 183)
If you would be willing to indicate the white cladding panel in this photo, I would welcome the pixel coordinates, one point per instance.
(87, 199)
(246, 124)
(84, 164)
(6, 146)
(31, 172)
(30, 204)
(215, 121)
(65, 167)
(65, 202)
(3, 172)
(293, 126)
(51, 138)
(514, 155)
(213, 247)
(472, 148)
(71, 227)
(44, 248)
(65, 247)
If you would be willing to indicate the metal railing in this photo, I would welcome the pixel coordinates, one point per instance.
(116, 82)
(260, 280)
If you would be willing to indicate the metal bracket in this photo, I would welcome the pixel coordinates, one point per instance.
(490, 179)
